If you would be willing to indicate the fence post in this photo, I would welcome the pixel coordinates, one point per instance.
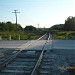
(10, 37)
(19, 37)
(0, 38)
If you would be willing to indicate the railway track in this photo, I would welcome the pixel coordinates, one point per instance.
(38, 57)
(24, 62)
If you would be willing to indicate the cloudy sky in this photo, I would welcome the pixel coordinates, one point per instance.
(33, 12)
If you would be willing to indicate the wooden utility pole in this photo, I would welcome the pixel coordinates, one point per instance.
(16, 11)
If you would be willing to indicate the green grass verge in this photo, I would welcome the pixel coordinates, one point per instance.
(15, 35)
(64, 35)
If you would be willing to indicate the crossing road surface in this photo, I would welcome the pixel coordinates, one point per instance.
(12, 44)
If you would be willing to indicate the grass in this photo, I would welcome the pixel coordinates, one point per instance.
(64, 35)
(15, 35)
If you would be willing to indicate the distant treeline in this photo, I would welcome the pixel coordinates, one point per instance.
(12, 27)
(68, 26)
(8, 26)
(64, 31)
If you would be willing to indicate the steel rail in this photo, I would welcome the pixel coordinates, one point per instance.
(35, 70)
(41, 37)
(4, 63)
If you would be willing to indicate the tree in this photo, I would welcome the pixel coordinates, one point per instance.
(8, 26)
(19, 28)
(2, 25)
(70, 24)
(57, 27)
(29, 28)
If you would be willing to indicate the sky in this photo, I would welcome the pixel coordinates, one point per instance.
(46, 13)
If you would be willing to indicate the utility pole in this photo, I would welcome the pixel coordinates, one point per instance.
(44, 27)
(16, 11)
(38, 26)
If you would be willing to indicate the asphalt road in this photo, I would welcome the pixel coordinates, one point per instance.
(12, 43)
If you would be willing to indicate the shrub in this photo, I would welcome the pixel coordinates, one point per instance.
(60, 37)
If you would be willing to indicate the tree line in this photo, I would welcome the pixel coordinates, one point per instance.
(69, 25)
(8, 26)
